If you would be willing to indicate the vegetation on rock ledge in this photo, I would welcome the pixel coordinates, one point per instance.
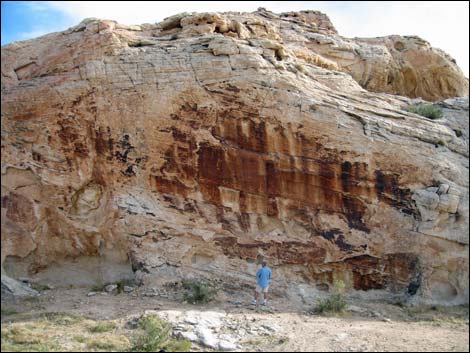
(427, 110)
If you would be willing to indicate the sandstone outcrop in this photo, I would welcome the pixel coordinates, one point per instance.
(199, 145)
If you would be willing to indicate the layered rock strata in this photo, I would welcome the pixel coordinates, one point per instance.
(197, 146)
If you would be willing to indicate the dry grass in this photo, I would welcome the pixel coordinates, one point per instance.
(62, 332)
(27, 338)
(102, 327)
(108, 342)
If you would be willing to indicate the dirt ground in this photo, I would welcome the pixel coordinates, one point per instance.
(365, 326)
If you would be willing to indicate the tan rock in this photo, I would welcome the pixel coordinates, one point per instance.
(210, 141)
(224, 46)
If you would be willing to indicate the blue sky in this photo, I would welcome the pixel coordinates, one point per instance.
(24, 20)
(444, 24)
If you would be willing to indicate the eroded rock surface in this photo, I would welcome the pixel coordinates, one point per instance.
(201, 144)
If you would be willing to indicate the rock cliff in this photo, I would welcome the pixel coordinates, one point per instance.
(199, 145)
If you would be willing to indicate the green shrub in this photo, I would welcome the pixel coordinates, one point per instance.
(156, 332)
(156, 336)
(335, 303)
(198, 291)
(427, 110)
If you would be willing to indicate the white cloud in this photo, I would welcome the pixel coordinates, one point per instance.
(444, 24)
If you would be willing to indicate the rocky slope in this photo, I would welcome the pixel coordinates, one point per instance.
(197, 146)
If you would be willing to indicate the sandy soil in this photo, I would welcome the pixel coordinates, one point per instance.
(370, 326)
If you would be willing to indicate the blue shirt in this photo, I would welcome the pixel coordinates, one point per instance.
(264, 275)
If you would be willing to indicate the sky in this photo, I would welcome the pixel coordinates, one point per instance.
(444, 24)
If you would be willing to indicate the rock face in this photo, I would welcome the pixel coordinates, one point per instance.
(197, 146)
